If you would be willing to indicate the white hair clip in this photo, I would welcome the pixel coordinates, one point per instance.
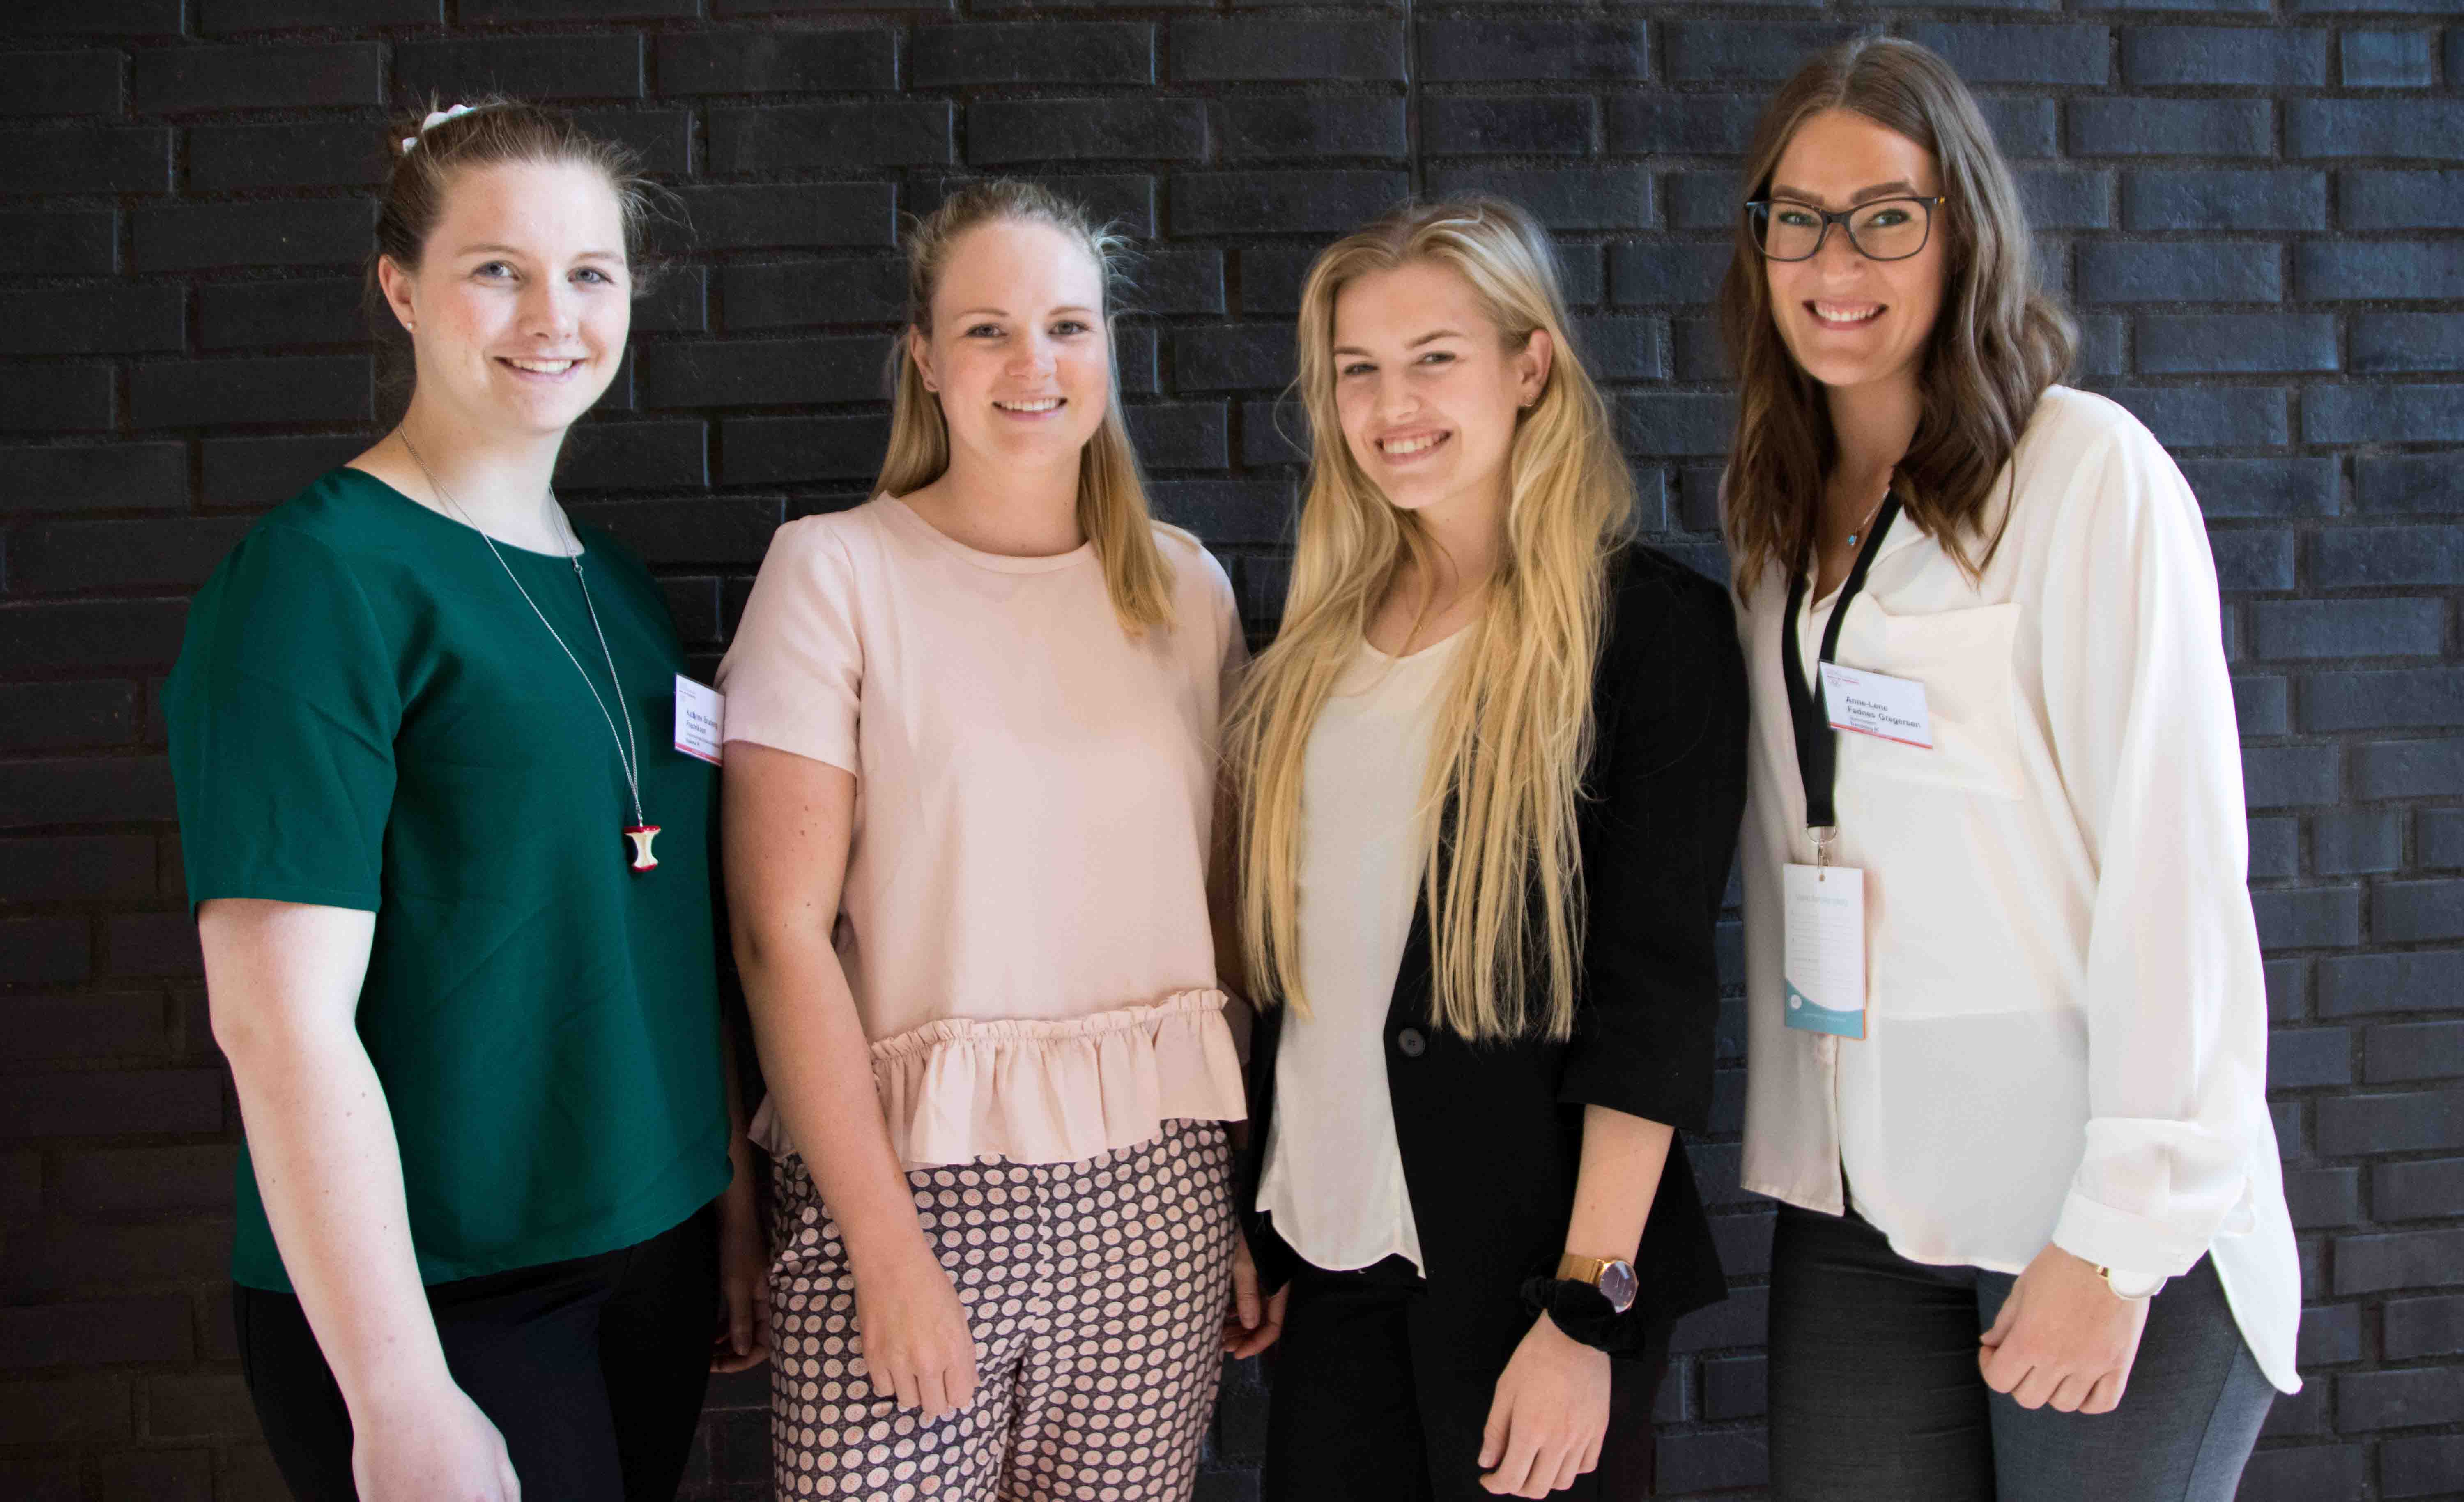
(435, 118)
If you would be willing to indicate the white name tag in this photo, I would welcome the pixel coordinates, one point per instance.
(1871, 704)
(1824, 970)
(701, 717)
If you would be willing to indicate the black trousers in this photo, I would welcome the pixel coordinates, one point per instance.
(1876, 1395)
(1378, 1392)
(593, 1370)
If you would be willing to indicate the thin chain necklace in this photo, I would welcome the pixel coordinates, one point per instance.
(628, 752)
(1856, 535)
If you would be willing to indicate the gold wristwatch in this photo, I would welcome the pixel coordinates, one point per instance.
(1612, 1276)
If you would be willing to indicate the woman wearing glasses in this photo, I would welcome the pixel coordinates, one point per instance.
(2008, 1034)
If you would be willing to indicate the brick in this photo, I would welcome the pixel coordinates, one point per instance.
(1518, 125)
(950, 56)
(2171, 127)
(2356, 1125)
(2307, 1058)
(1658, 423)
(151, 1180)
(1177, 279)
(1251, 355)
(1180, 435)
(42, 1480)
(2420, 200)
(2403, 911)
(2263, 487)
(1617, 348)
(2440, 840)
(2420, 1466)
(1703, 200)
(1294, 128)
(96, 1334)
(60, 82)
(775, 217)
(185, 1475)
(768, 450)
(487, 12)
(2407, 484)
(702, 530)
(57, 243)
(2382, 414)
(86, 159)
(2253, 560)
(84, 789)
(882, 133)
(787, 294)
(51, 716)
(2308, 1472)
(199, 1405)
(44, 950)
(603, 66)
(113, 1103)
(1723, 51)
(1497, 52)
(2322, 1197)
(254, 473)
(1679, 124)
(128, 1027)
(2280, 777)
(1239, 512)
(84, 1409)
(88, 321)
(2179, 272)
(268, 74)
(2422, 1189)
(2336, 271)
(1005, 131)
(775, 59)
(250, 15)
(238, 157)
(2239, 342)
(2057, 199)
(2404, 1051)
(2350, 985)
(1287, 52)
(1733, 1388)
(2375, 129)
(2354, 557)
(1565, 197)
(321, 310)
(2003, 52)
(285, 388)
(2275, 848)
(2260, 56)
(2288, 986)
(103, 1259)
(2395, 699)
(2308, 918)
(2300, 629)
(91, 635)
(2397, 1400)
(2384, 59)
(2418, 1327)
(2229, 200)
(656, 454)
(1317, 202)
(2356, 844)
(1641, 273)
(324, 232)
(2408, 341)
(68, 399)
(2262, 706)
(2192, 417)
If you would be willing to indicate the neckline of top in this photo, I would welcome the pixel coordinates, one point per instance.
(909, 517)
(1449, 640)
(460, 525)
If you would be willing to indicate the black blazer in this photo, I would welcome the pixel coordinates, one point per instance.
(1491, 1134)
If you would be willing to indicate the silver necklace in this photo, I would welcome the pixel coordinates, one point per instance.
(1859, 532)
(628, 752)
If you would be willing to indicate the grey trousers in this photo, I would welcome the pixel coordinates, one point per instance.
(1875, 1396)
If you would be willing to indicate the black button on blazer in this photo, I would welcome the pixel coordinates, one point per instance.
(1491, 1134)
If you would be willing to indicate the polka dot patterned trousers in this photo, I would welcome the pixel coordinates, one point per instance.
(1096, 1293)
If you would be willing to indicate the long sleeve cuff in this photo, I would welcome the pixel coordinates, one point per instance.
(2112, 1238)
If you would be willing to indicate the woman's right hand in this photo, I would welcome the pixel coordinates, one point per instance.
(916, 1343)
(431, 1446)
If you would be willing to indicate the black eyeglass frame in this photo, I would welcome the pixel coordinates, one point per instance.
(1758, 210)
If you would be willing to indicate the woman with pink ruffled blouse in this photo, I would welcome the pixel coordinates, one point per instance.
(969, 777)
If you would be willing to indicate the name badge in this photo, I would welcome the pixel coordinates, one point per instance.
(701, 717)
(1872, 704)
(1824, 970)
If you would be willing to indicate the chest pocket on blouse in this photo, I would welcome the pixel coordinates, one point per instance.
(1963, 658)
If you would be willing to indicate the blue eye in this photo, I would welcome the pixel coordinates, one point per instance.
(594, 274)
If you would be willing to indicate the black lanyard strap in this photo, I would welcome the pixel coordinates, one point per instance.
(1818, 744)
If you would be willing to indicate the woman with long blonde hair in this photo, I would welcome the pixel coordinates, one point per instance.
(2008, 1033)
(1489, 775)
(968, 787)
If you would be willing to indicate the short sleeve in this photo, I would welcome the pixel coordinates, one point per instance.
(794, 676)
(281, 717)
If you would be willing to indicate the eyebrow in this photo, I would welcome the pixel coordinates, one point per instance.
(1894, 189)
(1433, 334)
(1002, 313)
(515, 250)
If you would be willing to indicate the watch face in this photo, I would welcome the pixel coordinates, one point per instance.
(1617, 1283)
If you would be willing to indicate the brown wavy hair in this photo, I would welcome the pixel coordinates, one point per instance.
(1999, 340)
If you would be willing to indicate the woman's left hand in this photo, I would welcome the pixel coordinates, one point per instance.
(1550, 1415)
(742, 1340)
(2062, 1337)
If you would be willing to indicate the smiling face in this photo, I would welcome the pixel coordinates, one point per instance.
(1017, 350)
(520, 307)
(1426, 386)
(1850, 320)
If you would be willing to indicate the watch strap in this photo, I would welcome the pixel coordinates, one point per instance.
(1576, 1268)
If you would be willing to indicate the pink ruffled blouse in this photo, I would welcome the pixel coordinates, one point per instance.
(1023, 917)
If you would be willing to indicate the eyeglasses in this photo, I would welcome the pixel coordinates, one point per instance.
(1885, 230)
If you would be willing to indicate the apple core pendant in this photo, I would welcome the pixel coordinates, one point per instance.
(641, 834)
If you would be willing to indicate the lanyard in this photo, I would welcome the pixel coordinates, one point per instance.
(1818, 744)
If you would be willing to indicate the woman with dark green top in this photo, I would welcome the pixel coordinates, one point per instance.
(453, 882)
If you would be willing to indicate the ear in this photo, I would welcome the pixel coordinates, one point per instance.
(1531, 366)
(396, 283)
(920, 350)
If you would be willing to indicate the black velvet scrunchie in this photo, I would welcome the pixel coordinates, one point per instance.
(1583, 1313)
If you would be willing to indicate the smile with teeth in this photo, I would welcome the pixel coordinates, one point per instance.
(1844, 315)
(542, 366)
(1409, 444)
(1041, 404)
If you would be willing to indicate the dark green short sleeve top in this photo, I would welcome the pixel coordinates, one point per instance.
(367, 715)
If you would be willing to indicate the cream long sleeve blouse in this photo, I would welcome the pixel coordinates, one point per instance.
(2067, 1026)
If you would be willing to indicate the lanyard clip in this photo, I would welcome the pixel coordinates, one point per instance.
(1824, 836)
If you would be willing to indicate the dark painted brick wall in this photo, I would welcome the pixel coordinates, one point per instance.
(2254, 203)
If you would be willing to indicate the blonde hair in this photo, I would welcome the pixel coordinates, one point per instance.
(1502, 863)
(1112, 492)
